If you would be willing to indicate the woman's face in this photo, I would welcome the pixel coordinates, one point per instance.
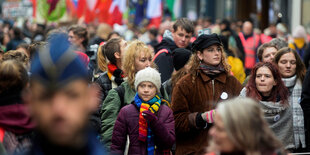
(268, 54)
(211, 56)
(142, 61)
(123, 45)
(74, 39)
(287, 65)
(6, 39)
(264, 80)
(220, 136)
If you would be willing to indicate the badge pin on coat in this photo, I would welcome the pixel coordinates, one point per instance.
(276, 118)
(224, 96)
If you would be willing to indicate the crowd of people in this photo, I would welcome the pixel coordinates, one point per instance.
(185, 88)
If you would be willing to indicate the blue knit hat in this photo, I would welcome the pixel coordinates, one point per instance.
(56, 64)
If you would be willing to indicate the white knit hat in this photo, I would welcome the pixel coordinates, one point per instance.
(148, 74)
(300, 32)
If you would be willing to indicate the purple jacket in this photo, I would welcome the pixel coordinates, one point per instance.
(127, 123)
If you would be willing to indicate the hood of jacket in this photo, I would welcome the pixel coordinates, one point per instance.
(170, 44)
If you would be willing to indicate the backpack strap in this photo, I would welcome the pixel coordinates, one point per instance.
(160, 52)
(121, 93)
(162, 90)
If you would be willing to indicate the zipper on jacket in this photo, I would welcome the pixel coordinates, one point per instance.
(213, 88)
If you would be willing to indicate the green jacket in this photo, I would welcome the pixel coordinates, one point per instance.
(2, 150)
(110, 109)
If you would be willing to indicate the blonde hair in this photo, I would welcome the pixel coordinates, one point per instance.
(133, 51)
(194, 63)
(246, 127)
(101, 60)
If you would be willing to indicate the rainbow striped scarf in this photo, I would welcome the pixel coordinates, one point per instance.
(145, 132)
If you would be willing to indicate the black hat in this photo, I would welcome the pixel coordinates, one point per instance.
(205, 41)
(180, 57)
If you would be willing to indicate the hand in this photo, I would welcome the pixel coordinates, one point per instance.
(148, 115)
(208, 116)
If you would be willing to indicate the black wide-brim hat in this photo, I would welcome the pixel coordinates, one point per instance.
(205, 41)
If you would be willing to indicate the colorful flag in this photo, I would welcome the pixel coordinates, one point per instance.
(116, 10)
(72, 7)
(174, 7)
(51, 10)
(154, 13)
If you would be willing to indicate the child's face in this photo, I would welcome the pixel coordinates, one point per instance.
(146, 90)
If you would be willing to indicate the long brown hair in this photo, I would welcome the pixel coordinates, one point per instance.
(300, 67)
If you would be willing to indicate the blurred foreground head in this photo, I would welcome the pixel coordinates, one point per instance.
(60, 99)
(240, 127)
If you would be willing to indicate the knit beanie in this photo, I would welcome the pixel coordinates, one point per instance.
(56, 64)
(150, 75)
(300, 32)
(180, 57)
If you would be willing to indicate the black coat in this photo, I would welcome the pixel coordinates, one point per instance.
(307, 57)
(105, 85)
(305, 104)
(164, 60)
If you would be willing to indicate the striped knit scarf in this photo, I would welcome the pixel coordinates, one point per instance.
(145, 132)
(115, 74)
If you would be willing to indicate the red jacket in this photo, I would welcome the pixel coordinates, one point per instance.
(250, 45)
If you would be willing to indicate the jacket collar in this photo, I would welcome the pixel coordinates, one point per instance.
(221, 77)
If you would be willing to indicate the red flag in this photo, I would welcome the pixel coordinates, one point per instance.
(81, 8)
(116, 11)
(103, 13)
(154, 13)
(34, 8)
